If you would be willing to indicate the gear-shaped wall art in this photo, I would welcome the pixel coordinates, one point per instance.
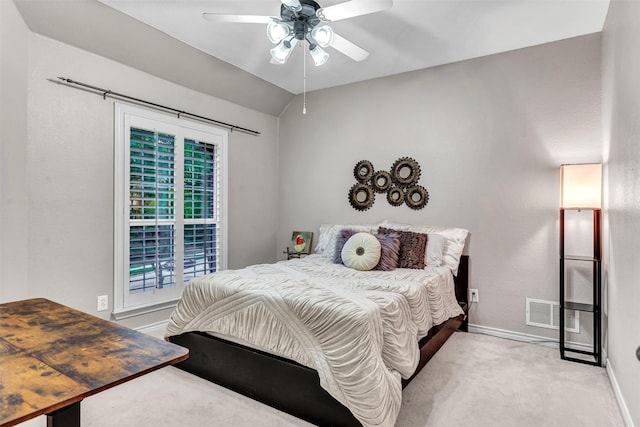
(361, 196)
(400, 185)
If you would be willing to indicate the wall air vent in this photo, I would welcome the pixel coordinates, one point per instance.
(545, 314)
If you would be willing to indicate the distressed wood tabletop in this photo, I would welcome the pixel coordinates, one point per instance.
(52, 356)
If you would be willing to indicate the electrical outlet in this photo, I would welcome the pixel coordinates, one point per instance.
(473, 295)
(103, 302)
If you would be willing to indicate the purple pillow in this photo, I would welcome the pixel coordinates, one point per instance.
(412, 248)
(390, 251)
(342, 238)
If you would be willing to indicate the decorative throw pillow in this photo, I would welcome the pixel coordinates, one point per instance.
(390, 251)
(412, 248)
(455, 239)
(342, 238)
(329, 233)
(361, 251)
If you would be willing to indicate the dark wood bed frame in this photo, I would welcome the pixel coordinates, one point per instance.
(287, 385)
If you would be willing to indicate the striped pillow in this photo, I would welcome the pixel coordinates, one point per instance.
(390, 247)
(412, 248)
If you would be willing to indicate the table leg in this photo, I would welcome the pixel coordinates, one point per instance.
(69, 416)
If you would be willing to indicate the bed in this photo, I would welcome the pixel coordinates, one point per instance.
(327, 343)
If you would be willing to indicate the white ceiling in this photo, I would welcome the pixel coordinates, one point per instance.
(413, 34)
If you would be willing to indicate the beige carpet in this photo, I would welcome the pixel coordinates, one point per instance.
(474, 380)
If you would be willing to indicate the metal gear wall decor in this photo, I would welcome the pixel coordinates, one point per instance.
(398, 168)
(381, 181)
(361, 196)
(395, 196)
(363, 171)
(416, 197)
(400, 185)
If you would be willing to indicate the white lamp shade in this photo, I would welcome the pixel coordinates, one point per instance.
(277, 31)
(323, 35)
(283, 50)
(581, 186)
(319, 56)
(293, 5)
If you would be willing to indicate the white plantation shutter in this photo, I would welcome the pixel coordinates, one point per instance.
(201, 200)
(169, 210)
(151, 210)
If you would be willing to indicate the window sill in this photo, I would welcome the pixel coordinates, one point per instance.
(126, 313)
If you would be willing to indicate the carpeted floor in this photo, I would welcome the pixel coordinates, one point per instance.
(474, 380)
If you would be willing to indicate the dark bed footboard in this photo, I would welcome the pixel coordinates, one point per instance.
(275, 381)
(282, 383)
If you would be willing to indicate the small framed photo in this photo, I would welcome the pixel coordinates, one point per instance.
(301, 242)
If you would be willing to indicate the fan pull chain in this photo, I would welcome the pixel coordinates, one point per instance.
(304, 81)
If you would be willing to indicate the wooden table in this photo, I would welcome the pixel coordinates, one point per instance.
(52, 357)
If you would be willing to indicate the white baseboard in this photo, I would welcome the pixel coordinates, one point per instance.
(626, 416)
(519, 336)
(155, 329)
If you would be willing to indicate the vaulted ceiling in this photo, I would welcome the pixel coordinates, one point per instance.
(232, 61)
(411, 35)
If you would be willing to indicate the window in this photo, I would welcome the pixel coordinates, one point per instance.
(170, 189)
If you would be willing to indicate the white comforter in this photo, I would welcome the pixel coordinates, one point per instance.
(359, 330)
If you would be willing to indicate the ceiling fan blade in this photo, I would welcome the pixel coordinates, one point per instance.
(350, 9)
(243, 19)
(346, 47)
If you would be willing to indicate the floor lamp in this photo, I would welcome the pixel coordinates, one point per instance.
(581, 189)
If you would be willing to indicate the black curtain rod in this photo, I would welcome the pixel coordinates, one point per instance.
(116, 95)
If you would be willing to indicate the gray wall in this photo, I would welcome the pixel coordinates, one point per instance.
(59, 152)
(489, 134)
(621, 136)
(14, 53)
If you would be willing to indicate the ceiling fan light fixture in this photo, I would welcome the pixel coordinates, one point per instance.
(277, 31)
(293, 5)
(283, 50)
(323, 35)
(319, 55)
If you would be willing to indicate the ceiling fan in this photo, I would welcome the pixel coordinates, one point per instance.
(302, 20)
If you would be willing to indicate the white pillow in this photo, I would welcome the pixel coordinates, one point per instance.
(454, 241)
(362, 252)
(434, 254)
(324, 234)
(328, 236)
